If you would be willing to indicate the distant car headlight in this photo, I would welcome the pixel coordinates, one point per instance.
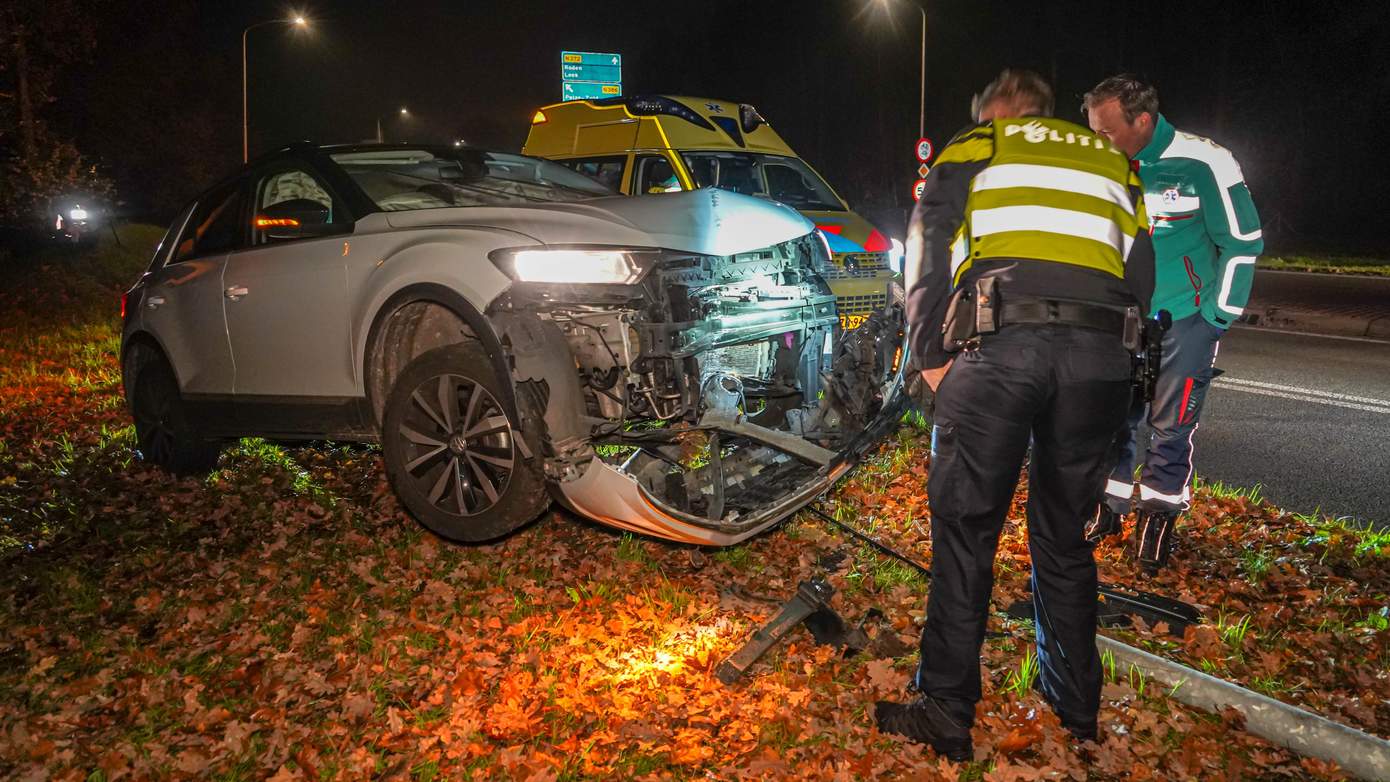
(571, 266)
(896, 254)
(77, 214)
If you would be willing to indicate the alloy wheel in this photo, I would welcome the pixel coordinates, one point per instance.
(152, 413)
(458, 445)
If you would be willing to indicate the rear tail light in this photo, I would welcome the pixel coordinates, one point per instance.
(124, 296)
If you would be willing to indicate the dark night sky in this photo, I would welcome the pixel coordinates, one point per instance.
(1297, 90)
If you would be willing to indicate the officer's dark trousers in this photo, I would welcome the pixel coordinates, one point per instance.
(1069, 389)
(1189, 360)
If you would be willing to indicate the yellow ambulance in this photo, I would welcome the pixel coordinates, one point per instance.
(663, 143)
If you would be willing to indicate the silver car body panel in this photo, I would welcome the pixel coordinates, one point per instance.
(182, 306)
(294, 297)
(707, 222)
(613, 497)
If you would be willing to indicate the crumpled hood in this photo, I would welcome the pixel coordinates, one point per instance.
(707, 221)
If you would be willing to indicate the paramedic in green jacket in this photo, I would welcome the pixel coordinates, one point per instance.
(1206, 237)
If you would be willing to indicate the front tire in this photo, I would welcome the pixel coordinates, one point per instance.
(164, 433)
(453, 455)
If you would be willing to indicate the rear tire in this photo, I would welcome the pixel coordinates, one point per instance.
(453, 455)
(164, 434)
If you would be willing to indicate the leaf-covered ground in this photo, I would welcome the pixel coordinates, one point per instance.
(283, 618)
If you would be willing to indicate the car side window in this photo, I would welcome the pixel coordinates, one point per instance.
(291, 196)
(655, 175)
(217, 226)
(607, 171)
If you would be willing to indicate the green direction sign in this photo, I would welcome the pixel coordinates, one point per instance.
(586, 90)
(571, 71)
(590, 75)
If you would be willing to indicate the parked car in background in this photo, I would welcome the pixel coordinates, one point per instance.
(510, 331)
(76, 218)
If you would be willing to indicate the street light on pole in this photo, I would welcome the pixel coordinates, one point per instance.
(403, 113)
(922, 84)
(297, 20)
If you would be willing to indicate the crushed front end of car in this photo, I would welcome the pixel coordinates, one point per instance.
(697, 396)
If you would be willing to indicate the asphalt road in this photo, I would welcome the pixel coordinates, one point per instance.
(1306, 417)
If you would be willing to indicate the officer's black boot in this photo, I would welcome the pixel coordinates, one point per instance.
(1153, 539)
(923, 719)
(1105, 523)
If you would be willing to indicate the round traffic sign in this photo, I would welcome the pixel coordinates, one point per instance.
(918, 188)
(924, 149)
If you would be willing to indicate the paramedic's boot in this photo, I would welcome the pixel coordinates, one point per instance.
(924, 720)
(1106, 522)
(1153, 539)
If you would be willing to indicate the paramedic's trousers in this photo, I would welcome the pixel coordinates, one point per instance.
(1067, 388)
(1189, 356)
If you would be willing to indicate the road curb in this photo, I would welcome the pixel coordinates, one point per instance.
(1320, 322)
(1300, 730)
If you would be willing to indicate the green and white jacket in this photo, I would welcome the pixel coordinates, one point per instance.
(1206, 233)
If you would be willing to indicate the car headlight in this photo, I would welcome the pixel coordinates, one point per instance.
(896, 254)
(571, 266)
(78, 214)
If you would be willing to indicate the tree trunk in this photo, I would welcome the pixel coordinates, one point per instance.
(27, 141)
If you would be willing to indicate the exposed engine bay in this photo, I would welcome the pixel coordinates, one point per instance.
(721, 386)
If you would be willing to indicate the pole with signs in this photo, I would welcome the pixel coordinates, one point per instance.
(588, 75)
(923, 149)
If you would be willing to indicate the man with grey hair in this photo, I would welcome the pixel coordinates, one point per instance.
(1027, 247)
(1206, 238)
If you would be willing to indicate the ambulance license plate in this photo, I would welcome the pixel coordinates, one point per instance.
(849, 322)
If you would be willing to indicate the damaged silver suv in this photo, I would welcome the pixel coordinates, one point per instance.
(510, 331)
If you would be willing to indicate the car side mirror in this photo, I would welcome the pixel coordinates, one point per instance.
(294, 219)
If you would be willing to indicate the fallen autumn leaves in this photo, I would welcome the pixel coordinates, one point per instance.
(284, 619)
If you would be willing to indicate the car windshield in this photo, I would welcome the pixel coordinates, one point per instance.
(785, 179)
(400, 179)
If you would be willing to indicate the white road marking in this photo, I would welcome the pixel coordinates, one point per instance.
(1244, 327)
(1298, 393)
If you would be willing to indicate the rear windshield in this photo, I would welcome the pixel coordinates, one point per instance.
(401, 179)
(785, 179)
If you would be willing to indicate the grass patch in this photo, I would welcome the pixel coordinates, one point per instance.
(1233, 631)
(876, 573)
(1343, 532)
(1255, 563)
(1222, 491)
(1327, 264)
(1020, 681)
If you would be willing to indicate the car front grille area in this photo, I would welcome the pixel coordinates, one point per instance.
(872, 302)
(854, 266)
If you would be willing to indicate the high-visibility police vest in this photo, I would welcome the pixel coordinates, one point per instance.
(1052, 191)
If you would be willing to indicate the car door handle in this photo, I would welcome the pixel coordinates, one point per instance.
(153, 302)
(236, 292)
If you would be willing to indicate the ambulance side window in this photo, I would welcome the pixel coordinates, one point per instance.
(655, 175)
(607, 171)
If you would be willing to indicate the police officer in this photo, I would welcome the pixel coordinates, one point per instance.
(1038, 225)
(1206, 236)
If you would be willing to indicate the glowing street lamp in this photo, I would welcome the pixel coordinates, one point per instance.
(299, 21)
